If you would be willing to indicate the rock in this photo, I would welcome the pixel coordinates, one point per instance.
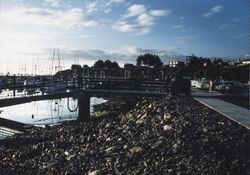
(159, 110)
(95, 172)
(66, 153)
(156, 144)
(111, 149)
(135, 149)
(167, 116)
(179, 139)
(125, 146)
(167, 127)
(141, 118)
(150, 105)
(108, 139)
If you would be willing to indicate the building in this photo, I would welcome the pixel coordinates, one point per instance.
(176, 63)
(238, 62)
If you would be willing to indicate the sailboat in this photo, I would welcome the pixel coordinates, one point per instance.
(57, 85)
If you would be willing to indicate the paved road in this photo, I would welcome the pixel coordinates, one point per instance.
(234, 112)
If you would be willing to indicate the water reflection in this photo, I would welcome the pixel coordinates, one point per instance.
(45, 112)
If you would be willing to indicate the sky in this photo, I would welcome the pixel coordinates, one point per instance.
(83, 31)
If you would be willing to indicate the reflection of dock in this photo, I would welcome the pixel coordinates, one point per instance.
(12, 124)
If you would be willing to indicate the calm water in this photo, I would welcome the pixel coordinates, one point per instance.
(45, 112)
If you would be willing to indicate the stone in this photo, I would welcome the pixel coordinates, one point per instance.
(135, 149)
(111, 149)
(201, 142)
(125, 146)
(167, 116)
(141, 118)
(167, 127)
(95, 172)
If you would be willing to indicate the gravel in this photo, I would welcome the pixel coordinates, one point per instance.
(168, 135)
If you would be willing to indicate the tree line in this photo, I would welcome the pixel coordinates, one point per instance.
(195, 68)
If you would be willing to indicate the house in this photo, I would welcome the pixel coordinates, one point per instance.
(176, 63)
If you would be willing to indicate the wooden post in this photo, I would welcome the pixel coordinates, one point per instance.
(84, 108)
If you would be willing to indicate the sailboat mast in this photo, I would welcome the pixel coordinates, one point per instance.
(59, 61)
(53, 57)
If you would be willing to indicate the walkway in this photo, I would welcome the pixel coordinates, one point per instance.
(234, 112)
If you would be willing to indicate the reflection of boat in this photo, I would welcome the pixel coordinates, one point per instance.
(54, 87)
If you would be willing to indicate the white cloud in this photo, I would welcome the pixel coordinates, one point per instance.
(214, 10)
(123, 26)
(144, 19)
(108, 10)
(160, 12)
(135, 10)
(111, 2)
(53, 3)
(92, 7)
(102, 5)
(217, 9)
(65, 19)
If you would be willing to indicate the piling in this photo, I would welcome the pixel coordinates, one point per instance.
(84, 108)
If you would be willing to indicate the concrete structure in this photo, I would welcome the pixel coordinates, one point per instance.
(233, 112)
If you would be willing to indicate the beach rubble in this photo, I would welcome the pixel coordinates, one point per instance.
(167, 135)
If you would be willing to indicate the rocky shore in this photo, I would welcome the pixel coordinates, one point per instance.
(168, 135)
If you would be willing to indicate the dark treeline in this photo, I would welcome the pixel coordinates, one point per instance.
(150, 66)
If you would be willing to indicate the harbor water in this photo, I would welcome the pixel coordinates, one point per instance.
(46, 112)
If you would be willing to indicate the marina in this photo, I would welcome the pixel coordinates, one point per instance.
(102, 87)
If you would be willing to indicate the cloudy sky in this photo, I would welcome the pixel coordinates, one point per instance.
(119, 30)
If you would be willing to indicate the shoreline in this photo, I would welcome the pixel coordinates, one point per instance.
(172, 135)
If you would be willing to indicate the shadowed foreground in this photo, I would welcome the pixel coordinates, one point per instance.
(174, 135)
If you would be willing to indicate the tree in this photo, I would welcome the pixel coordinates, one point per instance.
(115, 65)
(99, 64)
(85, 66)
(238, 72)
(75, 67)
(129, 66)
(149, 60)
(199, 67)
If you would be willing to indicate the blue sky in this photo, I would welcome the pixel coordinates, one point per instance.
(119, 30)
